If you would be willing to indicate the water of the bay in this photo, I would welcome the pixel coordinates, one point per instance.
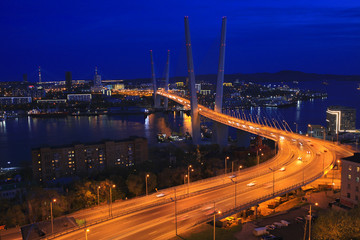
(18, 136)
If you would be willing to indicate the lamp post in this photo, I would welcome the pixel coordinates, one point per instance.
(175, 213)
(188, 176)
(51, 213)
(110, 205)
(234, 191)
(86, 233)
(232, 168)
(310, 221)
(215, 218)
(296, 127)
(185, 176)
(258, 156)
(309, 125)
(273, 170)
(146, 178)
(227, 158)
(323, 132)
(98, 188)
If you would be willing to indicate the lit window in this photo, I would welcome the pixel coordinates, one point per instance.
(357, 179)
(349, 176)
(350, 167)
(39, 169)
(358, 169)
(39, 162)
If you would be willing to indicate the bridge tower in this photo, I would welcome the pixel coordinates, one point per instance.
(166, 100)
(156, 97)
(220, 131)
(195, 117)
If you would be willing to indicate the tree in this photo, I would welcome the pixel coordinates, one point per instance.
(337, 225)
(135, 184)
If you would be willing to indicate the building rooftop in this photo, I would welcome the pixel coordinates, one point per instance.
(131, 138)
(355, 158)
(340, 108)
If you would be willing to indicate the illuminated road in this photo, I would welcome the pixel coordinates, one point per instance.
(153, 218)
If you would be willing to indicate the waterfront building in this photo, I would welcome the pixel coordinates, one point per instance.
(50, 163)
(97, 78)
(179, 84)
(51, 101)
(13, 190)
(197, 87)
(350, 181)
(316, 131)
(205, 92)
(14, 100)
(79, 97)
(68, 80)
(340, 119)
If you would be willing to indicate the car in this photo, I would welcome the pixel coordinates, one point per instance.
(308, 152)
(282, 169)
(251, 184)
(270, 237)
(325, 150)
(299, 220)
(300, 158)
(232, 176)
(160, 195)
(270, 227)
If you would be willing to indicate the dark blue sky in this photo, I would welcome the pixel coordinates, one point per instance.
(321, 36)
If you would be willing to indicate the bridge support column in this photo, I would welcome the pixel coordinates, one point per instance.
(166, 103)
(166, 100)
(195, 117)
(243, 138)
(220, 134)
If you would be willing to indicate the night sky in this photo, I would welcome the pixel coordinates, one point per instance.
(321, 36)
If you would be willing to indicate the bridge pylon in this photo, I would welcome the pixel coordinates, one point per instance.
(220, 131)
(166, 100)
(195, 117)
(156, 97)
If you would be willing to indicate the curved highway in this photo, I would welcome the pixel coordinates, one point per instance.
(300, 160)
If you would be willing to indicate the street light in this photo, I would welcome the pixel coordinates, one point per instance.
(188, 176)
(240, 167)
(51, 213)
(219, 212)
(273, 170)
(310, 221)
(98, 188)
(258, 157)
(309, 125)
(86, 233)
(146, 178)
(110, 205)
(296, 126)
(323, 132)
(227, 158)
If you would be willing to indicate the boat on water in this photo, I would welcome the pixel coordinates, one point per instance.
(358, 88)
(44, 114)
